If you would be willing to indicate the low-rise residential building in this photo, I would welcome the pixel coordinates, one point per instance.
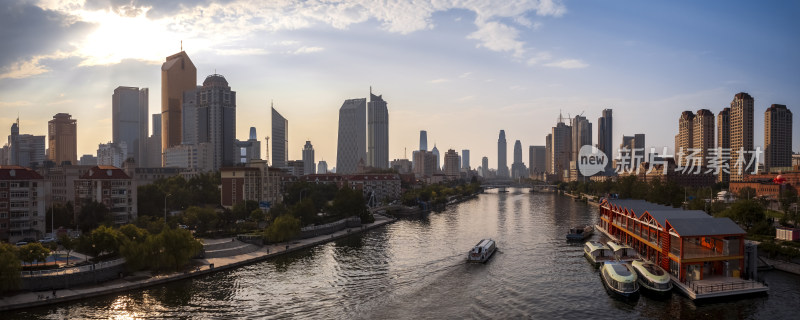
(110, 186)
(22, 204)
(256, 181)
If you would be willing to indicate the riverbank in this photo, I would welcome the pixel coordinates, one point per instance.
(203, 267)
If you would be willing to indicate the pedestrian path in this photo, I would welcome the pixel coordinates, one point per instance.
(204, 266)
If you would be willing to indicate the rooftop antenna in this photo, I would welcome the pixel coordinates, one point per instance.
(181, 45)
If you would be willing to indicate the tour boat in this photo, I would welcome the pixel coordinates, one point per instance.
(482, 251)
(652, 278)
(619, 279)
(580, 233)
(623, 252)
(597, 252)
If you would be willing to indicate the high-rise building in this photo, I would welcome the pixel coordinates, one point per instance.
(87, 160)
(280, 140)
(402, 166)
(741, 124)
(129, 123)
(154, 153)
(23, 149)
(23, 205)
(485, 167)
(777, 137)
(502, 163)
(724, 139)
(437, 164)
(248, 150)
(308, 159)
(465, 160)
(178, 74)
(635, 145)
(703, 136)
(537, 160)
(112, 154)
(423, 140)
(562, 149)
(548, 156)
(351, 147)
(62, 134)
(518, 169)
(684, 140)
(605, 126)
(322, 167)
(377, 132)
(210, 117)
(452, 167)
(581, 135)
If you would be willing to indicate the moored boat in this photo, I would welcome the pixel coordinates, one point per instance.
(622, 252)
(619, 279)
(482, 251)
(580, 233)
(652, 278)
(597, 252)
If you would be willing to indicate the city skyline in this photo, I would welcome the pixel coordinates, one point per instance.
(427, 66)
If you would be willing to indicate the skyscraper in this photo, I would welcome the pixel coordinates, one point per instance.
(322, 167)
(502, 163)
(548, 156)
(562, 149)
(154, 156)
(605, 126)
(24, 150)
(581, 135)
(178, 74)
(129, 121)
(485, 167)
(777, 137)
(518, 169)
(377, 132)
(684, 141)
(724, 138)
(351, 146)
(280, 140)
(451, 164)
(423, 140)
(741, 122)
(62, 134)
(703, 132)
(435, 153)
(465, 160)
(537, 160)
(308, 159)
(215, 119)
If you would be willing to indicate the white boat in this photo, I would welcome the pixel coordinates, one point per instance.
(623, 252)
(597, 252)
(652, 278)
(482, 251)
(619, 279)
(580, 233)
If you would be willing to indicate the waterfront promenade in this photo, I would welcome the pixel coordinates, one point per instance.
(202, 267)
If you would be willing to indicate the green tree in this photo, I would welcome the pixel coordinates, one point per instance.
(787, 197)
(93, 214)
(746, 193)
(173, 248)
(284, 228)
(746, 212)
(68, 244)
(106, 240)
(203, 219)
(257, 215)
(242, 209)
(33, 252)
(305, 211)
(61, 215)
(10, 267)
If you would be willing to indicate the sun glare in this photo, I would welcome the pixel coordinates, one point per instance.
(117, 38)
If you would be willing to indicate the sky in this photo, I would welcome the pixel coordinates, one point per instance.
(462, 70)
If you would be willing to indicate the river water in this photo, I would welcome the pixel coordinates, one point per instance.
(415, 269)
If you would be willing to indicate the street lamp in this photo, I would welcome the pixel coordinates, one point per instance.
(165, 207)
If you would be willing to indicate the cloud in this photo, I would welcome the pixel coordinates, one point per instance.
(30, 34)
(539, 58)
(465, 75)
(14, 104)
(304, 50)
(440, 80)
(496, 36)
(568, 64)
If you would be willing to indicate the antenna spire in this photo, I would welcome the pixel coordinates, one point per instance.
(181, 45)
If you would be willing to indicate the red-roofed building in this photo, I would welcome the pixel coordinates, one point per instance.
(110, 186)
(22, 204)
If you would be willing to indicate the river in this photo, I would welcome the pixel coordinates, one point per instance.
(415, 269)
